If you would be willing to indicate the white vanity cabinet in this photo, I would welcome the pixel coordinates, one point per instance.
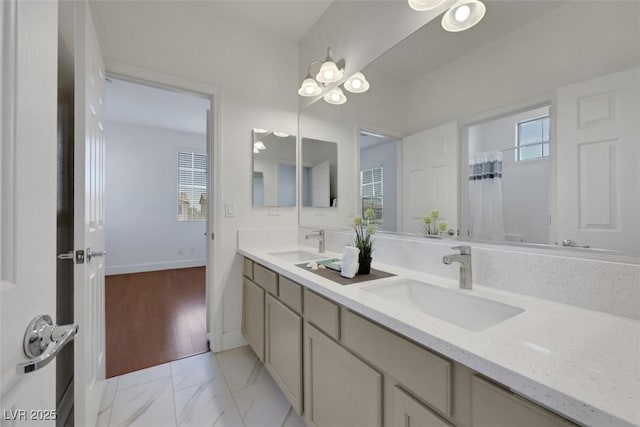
(340, 369)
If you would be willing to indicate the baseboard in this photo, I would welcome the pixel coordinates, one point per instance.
(232, 340)
(140, 268)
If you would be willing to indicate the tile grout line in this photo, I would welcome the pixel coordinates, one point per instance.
(226, 382)
(173, 394)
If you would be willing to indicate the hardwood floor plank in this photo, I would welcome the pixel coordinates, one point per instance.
(154, 318)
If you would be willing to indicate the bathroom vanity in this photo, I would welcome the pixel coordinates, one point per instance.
(344, 356)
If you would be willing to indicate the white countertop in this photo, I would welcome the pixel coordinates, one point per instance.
(581, 363)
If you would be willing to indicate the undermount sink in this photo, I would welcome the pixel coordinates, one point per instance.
(468, 311)
(297, 256)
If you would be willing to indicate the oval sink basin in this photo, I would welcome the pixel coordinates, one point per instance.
(470, 312)
(297, 256)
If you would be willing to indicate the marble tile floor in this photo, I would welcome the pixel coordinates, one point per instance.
(231, 388)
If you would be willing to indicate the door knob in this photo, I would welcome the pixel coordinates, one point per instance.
(90, 254)
(43, 341)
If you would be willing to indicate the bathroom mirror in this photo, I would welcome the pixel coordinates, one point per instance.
(319, 173)
(274, 168)
(540, 95)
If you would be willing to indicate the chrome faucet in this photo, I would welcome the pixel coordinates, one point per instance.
(317, 234)
(464, 258)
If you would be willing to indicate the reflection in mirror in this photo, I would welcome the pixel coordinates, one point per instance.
(319, 173)
(444, 93)
(509, 173)
(379, 156)
(274, 168)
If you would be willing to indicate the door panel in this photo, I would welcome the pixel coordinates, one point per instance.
(320, 181)
(89, 358)
(29, 37)
(598, 198)
(430, 177)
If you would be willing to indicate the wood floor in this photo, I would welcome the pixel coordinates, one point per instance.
(153, 318)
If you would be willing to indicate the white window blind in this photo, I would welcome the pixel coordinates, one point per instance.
(371, 192)
(192, 186)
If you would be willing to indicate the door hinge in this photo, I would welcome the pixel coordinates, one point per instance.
(80, 257)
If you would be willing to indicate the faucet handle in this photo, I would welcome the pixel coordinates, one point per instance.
(464, 249)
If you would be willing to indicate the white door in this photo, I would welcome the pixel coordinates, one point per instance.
(598, 196)
(430, 177)
(89, 356)
(28, 39)
(320, 181)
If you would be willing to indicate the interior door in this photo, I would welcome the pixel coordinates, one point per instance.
(598, 197)
(430, 177)
(320, 181)
(89, 356)
(28, 93)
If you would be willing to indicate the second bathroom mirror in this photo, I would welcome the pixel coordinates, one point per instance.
(274, 168)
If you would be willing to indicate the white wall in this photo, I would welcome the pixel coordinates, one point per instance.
(257, 73)
(385, 155)
(525, 184)
(533, 60)
(142, 231)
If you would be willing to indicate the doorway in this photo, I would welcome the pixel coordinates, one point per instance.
(379, 182)
(157, 205)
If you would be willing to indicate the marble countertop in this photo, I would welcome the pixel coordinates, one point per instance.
(581, 363)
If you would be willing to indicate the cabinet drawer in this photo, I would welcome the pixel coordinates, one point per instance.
(427, 375)
(290, 293)
(322, 313)
(407, 411)
(493, 406)
(247, 268)
(265, 278)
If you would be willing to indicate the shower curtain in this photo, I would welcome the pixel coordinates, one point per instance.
(485, 196)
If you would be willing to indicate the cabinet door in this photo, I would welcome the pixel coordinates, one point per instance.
(253, 316)
(283, 350)
(408, 412)
(340, 389)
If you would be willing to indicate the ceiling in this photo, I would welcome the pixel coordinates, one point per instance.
(368, 140)
(431, 47)
(291, 19)
(134, 103)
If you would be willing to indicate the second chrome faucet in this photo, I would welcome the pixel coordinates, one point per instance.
(464, 258)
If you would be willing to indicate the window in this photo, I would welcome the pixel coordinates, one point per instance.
(192, 186)
(533, 139)
(371, 193)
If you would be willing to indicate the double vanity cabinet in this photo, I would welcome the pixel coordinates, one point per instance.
(338, 368)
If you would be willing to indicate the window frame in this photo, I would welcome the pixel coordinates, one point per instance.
(518, 150)
(379, 198)
(193, 152)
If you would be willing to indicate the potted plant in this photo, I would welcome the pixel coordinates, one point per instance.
(364, 240)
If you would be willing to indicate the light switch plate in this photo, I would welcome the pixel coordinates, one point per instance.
(229, 209)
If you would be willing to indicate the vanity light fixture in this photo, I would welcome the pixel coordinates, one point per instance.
(255, 150)
(259, 145)
(331, 71)
(463, 15)
(335, 96)
(260, 130)
(357, 83)
(423, 5)
(281, 134)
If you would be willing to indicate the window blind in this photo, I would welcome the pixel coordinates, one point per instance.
(192, 186)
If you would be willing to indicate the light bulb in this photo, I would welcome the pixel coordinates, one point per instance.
(309, 87)
(356, 83)
(259, 145)
(308, 90)
(462, 13)
(335, 97)
(328, 74)
(422, 5)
